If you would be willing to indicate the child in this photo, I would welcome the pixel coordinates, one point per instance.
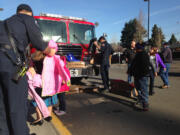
(53, 75)
(61, 109)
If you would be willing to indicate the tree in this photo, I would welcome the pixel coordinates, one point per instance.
(133, 30)
(157, 37)
(141, 17)
(173, 40)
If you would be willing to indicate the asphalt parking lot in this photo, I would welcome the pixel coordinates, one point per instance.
(90, 113)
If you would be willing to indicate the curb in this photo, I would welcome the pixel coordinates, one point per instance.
(59, 126)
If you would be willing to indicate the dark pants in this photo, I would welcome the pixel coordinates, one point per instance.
(141, 85)
(151, 84)
(62, 101)
(13, 105)
(105, 75)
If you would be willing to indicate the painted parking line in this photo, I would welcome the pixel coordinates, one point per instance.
(59, 125)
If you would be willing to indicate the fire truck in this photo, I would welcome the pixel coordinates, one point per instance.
(72, 34)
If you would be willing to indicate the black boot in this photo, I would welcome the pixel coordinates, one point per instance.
(33, 134)
(151, 93)
(39, 122)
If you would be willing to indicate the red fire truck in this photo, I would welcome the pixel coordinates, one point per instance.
(72, 35)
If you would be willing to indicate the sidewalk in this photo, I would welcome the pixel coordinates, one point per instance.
(47, 128)
(55, 127)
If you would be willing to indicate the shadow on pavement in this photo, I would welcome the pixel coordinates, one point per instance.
(125, 102)
(117, 118)
(174, 74)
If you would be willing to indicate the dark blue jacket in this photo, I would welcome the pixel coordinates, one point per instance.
(24, 31)
(140, 65)
(106, 50)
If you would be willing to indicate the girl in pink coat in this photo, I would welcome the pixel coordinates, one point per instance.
(52, 75)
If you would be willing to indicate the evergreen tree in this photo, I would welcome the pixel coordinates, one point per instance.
(157, 37)
(133, 30)
(173, 40)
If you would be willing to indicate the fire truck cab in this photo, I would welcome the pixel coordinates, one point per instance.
(72, 35)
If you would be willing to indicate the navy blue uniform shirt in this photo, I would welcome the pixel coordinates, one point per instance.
(106, 50)
(24, 31)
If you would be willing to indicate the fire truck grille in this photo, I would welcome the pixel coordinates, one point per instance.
(76, 50)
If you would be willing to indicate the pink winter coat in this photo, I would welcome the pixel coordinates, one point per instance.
(65, 87)
(53, 75)
(34, 82)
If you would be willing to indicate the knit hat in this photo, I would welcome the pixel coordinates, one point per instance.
(139, 46)
(53, 44)
(24, 7)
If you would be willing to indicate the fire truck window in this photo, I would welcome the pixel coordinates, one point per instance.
(53, 30)
(81, 33)
(88, 35)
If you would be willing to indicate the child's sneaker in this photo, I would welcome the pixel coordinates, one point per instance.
(59, 113)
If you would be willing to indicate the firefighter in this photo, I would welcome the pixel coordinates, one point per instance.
(13, 95)
(106, 51)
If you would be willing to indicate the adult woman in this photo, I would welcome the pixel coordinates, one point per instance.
(155, 61)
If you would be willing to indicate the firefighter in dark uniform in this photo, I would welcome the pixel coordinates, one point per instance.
(13, 96)
(105, 50)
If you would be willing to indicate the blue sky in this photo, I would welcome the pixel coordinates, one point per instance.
(110, 14)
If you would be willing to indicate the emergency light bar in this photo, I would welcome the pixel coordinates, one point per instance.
(61, 16)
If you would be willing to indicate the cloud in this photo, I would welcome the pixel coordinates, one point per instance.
(121, 21)
(165, 10)
(152, 14)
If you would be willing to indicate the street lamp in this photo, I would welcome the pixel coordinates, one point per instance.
(148, 16)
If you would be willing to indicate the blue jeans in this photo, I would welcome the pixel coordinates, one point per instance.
(129, 76)
(164, 74)
(141, 85)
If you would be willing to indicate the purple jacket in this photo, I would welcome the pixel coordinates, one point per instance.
(159, 61)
